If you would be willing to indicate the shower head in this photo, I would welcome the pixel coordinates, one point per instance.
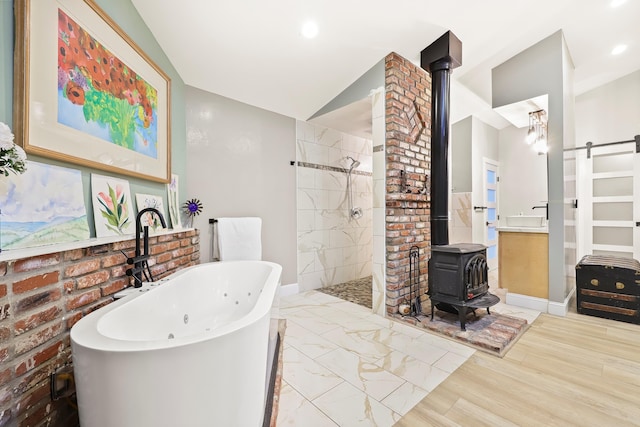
(354, 163)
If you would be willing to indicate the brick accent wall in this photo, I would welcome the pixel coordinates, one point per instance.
(42, 297)
(408, 151)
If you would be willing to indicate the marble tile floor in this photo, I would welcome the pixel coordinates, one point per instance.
(345, 366)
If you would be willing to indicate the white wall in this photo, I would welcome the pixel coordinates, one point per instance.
(610, 112)
(523, 175)
(332, 247)
(238, 164)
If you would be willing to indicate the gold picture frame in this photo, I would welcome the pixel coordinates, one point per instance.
(89, 96)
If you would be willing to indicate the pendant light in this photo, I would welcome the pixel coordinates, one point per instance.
(531, 134)
(537, 133)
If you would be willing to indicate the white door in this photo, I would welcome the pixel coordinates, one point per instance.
(608, 220)
(490, 196)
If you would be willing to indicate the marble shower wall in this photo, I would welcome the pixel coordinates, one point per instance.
(378, 130)
(332, 247)
(461, 218)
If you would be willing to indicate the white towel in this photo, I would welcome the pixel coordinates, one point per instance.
(240, 239)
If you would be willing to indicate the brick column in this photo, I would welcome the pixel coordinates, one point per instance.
(408, 160)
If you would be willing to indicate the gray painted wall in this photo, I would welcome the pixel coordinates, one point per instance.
(6, 61)
(239, 165)
(533, 72)
(537, 71)
(360, 89)
(123, 13)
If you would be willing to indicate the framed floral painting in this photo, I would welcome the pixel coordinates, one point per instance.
(174, 205)
(149, 219)
(112, 206)
(86, 93)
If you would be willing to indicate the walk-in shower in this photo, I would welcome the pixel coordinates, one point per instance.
(354, 212)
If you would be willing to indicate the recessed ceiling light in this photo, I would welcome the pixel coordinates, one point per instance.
(616, 3)
(309, 29)
(619, 49)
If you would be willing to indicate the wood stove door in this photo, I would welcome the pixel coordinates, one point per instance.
(490, 195)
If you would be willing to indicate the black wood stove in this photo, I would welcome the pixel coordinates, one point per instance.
(458, 280)
(457, 273)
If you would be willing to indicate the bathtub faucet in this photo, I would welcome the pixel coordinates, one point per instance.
(139, 260)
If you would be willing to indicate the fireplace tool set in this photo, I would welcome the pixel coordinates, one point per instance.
(414, 281)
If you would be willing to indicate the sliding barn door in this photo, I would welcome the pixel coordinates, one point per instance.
(608, 183)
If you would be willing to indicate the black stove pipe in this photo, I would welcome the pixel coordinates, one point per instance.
(440, 85)
(440, 58)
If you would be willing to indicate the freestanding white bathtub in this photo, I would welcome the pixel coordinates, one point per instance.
(192, 351)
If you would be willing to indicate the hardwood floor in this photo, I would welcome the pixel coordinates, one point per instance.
(572, 371)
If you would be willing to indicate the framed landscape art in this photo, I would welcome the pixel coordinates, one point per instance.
(86, 93)
(43, 206)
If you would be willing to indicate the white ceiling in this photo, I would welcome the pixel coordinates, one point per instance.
(252, 50)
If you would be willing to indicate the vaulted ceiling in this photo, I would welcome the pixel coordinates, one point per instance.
(252, 50)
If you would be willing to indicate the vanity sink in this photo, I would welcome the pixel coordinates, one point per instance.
(526, 221)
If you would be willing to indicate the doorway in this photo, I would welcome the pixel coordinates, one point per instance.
(490, 196)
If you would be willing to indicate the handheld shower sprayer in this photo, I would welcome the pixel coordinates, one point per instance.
(354, 212)
(354, 163)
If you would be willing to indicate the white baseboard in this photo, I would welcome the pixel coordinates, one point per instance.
(561, 308)
(534, 303)
(540, 304)
(290, 289)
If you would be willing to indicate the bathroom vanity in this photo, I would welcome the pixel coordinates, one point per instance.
(523, 259)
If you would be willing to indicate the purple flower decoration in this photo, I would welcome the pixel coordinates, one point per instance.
(192, 208)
